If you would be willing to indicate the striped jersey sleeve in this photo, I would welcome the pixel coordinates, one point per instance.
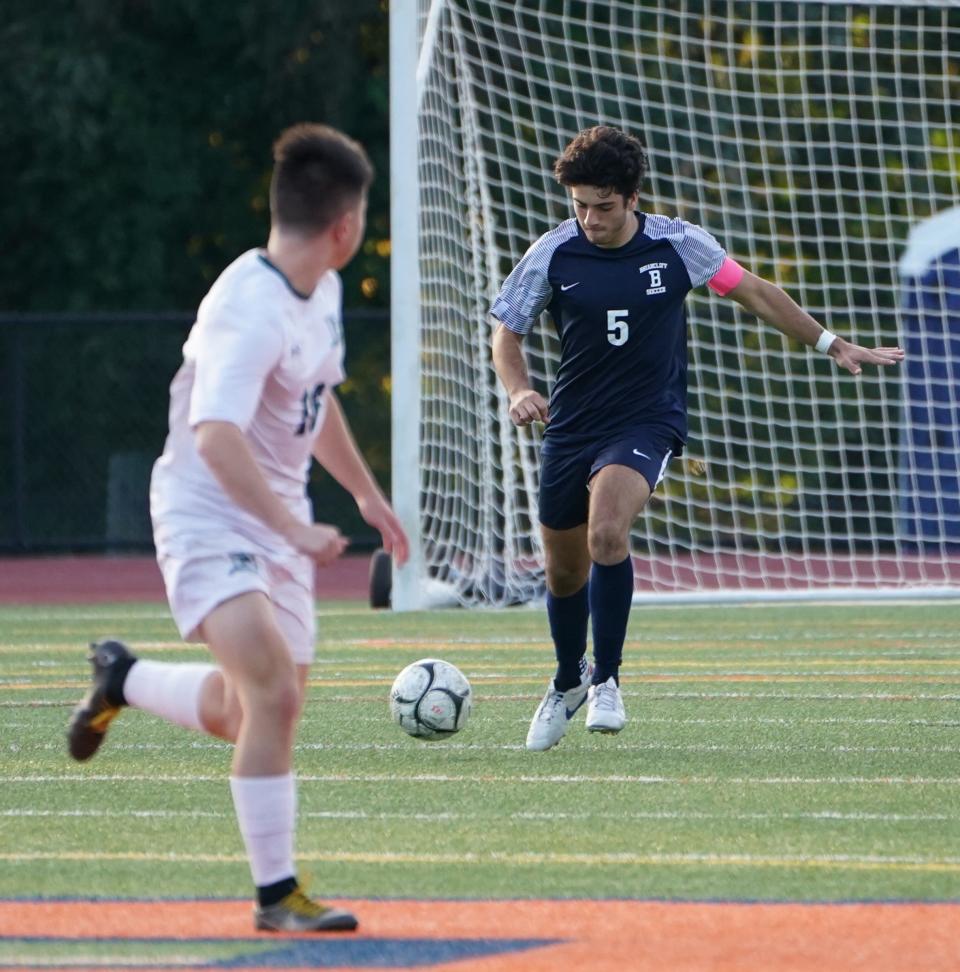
(702, 255)
(527, 291)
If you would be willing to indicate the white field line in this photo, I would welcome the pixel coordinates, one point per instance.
(405, 747)
(803, 696)
(868, 862)
(715, 666)
(161, 612)
(667, 631)
(661, 695)
(28, 959)
(646, 677)
(801, 645)
(653, 617)
(381, 682)
(99, 960)
(37, 704)
(546, 816)
(68, 675)
(657, 696)
(726, 662)
(357, 668)
(783, 644)
(123, 613)
(801, 721)
(486, 779)
(642, 720)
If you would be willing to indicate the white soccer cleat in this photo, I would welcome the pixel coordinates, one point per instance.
(605, 712)
(555, 711)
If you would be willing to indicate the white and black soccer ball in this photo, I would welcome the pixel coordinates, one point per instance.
(431, 699)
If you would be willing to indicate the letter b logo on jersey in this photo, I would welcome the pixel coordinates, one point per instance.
(654, 278)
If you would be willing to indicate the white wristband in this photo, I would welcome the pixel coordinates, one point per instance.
(824, 341)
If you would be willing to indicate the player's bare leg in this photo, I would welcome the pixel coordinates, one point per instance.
(219, 707)
(617, 496)
(567, 559)
(244, 638)
(268, 688)
(568, 567)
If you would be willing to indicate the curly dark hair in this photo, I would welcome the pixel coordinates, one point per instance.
(318, 173)
(604, 157)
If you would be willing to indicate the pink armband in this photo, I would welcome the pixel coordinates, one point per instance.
(726, 278)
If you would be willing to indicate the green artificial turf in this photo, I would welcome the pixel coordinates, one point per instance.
(777, 752)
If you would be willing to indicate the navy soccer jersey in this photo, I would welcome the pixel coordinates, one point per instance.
(619, 314)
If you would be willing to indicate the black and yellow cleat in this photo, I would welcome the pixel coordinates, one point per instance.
(298, 913)
(111, 660)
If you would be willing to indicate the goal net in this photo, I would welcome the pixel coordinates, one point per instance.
(809, 138)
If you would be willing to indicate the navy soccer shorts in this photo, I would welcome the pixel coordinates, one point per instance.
(566, 469)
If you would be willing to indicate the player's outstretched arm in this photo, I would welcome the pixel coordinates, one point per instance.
(337, 451)
(778, 309)
(526, 404)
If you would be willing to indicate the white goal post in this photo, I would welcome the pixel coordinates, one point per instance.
(810, 138)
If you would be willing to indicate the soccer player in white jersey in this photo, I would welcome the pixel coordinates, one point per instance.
(251, 406)
(613, 280)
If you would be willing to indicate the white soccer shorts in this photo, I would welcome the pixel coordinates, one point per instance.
(195, 586)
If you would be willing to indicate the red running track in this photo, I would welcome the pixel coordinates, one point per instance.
(96, 580)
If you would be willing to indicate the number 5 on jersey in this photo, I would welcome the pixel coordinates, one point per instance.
(617, 328)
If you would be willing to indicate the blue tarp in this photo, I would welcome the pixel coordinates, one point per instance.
(930, 434)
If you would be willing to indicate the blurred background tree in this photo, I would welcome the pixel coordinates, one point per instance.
(137, 156)
(138, 137)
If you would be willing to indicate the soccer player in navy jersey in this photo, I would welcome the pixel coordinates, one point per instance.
(614, 280)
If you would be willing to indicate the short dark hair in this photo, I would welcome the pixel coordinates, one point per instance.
(604, 157)
(318, 174)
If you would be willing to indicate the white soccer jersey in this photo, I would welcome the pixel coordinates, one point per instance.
(263, 357)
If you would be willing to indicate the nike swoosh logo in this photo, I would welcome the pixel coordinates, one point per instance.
(642, 455)
(569, 286)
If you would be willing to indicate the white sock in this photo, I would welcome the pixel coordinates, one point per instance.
(266, 811)
(169, 690)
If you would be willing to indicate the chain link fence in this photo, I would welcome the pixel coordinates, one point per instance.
(84, 416)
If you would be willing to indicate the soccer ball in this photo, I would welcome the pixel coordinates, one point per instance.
(430, 699)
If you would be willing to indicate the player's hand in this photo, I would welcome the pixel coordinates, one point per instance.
(376, 511)
(528, 406)
(851, 356)
(322, 542)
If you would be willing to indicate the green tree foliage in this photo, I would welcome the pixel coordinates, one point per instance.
(137, 156)
(137, 134)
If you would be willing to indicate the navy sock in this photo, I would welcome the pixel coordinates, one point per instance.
(568, 626)
(115, 679)
(270, 894)
(611, 594)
